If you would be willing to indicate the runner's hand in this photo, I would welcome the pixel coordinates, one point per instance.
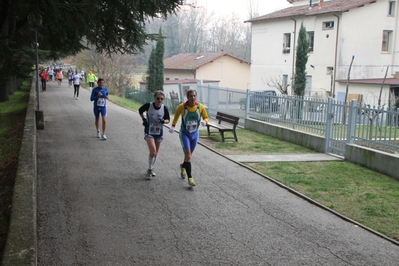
(162, 121)
(171, 130)
(203, 123)
(145, 123)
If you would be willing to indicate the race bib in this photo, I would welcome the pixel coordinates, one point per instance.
(154, 129)
(191, 126)
(101, 102)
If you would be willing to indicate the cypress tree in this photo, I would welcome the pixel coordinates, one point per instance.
(159, 53)
(300, 63)
(155, 65)
(151, 72)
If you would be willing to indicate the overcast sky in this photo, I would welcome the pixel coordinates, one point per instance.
(240, 7)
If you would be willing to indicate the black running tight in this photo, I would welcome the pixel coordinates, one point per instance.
(76, 90)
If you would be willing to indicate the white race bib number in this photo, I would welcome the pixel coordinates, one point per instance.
(101, 102)
(154, 129)
(191, 126)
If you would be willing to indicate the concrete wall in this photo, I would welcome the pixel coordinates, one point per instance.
(313, 142)
(179, 74)
(20, 248)
(382, 162)
(379, 161)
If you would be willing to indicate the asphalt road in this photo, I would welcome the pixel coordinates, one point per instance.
(95, 206)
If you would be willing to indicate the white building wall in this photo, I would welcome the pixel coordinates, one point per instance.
(268, 61)
(360, 34)
(322, 57)
(369, 92)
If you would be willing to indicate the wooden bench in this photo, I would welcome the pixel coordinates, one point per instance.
(232, 122)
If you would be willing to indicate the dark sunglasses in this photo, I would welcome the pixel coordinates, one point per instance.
(160, 99)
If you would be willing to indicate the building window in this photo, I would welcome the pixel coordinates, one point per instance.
(311, 40)
(286, 43)
(391, 8)
(285, 81)
(386, 40)
(328, 25)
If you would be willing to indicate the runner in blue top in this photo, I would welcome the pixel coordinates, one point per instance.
(156, 115)
(99, 95)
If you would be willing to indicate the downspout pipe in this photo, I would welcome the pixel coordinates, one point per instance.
(394, 50)
(293, 57)
(335, 56)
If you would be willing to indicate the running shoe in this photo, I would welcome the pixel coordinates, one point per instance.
(183, 172)
(99, 134)
(104, 137)
(148, 175)
(152, 173)
(191, 182)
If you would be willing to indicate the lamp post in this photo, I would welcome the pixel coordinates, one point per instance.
(35, 20)
(37, 71)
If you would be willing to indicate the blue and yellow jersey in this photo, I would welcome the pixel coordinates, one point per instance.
(186, 111)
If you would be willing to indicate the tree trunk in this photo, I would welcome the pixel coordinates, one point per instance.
(4, 96)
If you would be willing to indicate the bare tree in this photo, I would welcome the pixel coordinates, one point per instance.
(253, 8)
(279, 83)
(118, 70)
(194, 29)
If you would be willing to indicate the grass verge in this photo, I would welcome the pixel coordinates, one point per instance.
(12, 121)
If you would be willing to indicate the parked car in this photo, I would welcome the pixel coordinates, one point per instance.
(261, 101)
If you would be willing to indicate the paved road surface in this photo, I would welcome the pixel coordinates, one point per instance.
(96, 208)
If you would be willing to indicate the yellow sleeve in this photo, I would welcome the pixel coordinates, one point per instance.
(178, 113)
(204, 113)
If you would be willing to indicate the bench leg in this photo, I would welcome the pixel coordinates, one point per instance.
(222, 134)
(235, 136)
(209, 133)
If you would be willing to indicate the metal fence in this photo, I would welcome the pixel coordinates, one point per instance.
(145, 97)
(340, 123)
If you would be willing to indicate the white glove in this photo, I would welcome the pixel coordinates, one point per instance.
(203, 123)
(171, 130)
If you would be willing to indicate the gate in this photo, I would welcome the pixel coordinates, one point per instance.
(337, 127)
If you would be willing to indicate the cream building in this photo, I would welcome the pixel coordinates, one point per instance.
(338, 30)
(229, 70)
